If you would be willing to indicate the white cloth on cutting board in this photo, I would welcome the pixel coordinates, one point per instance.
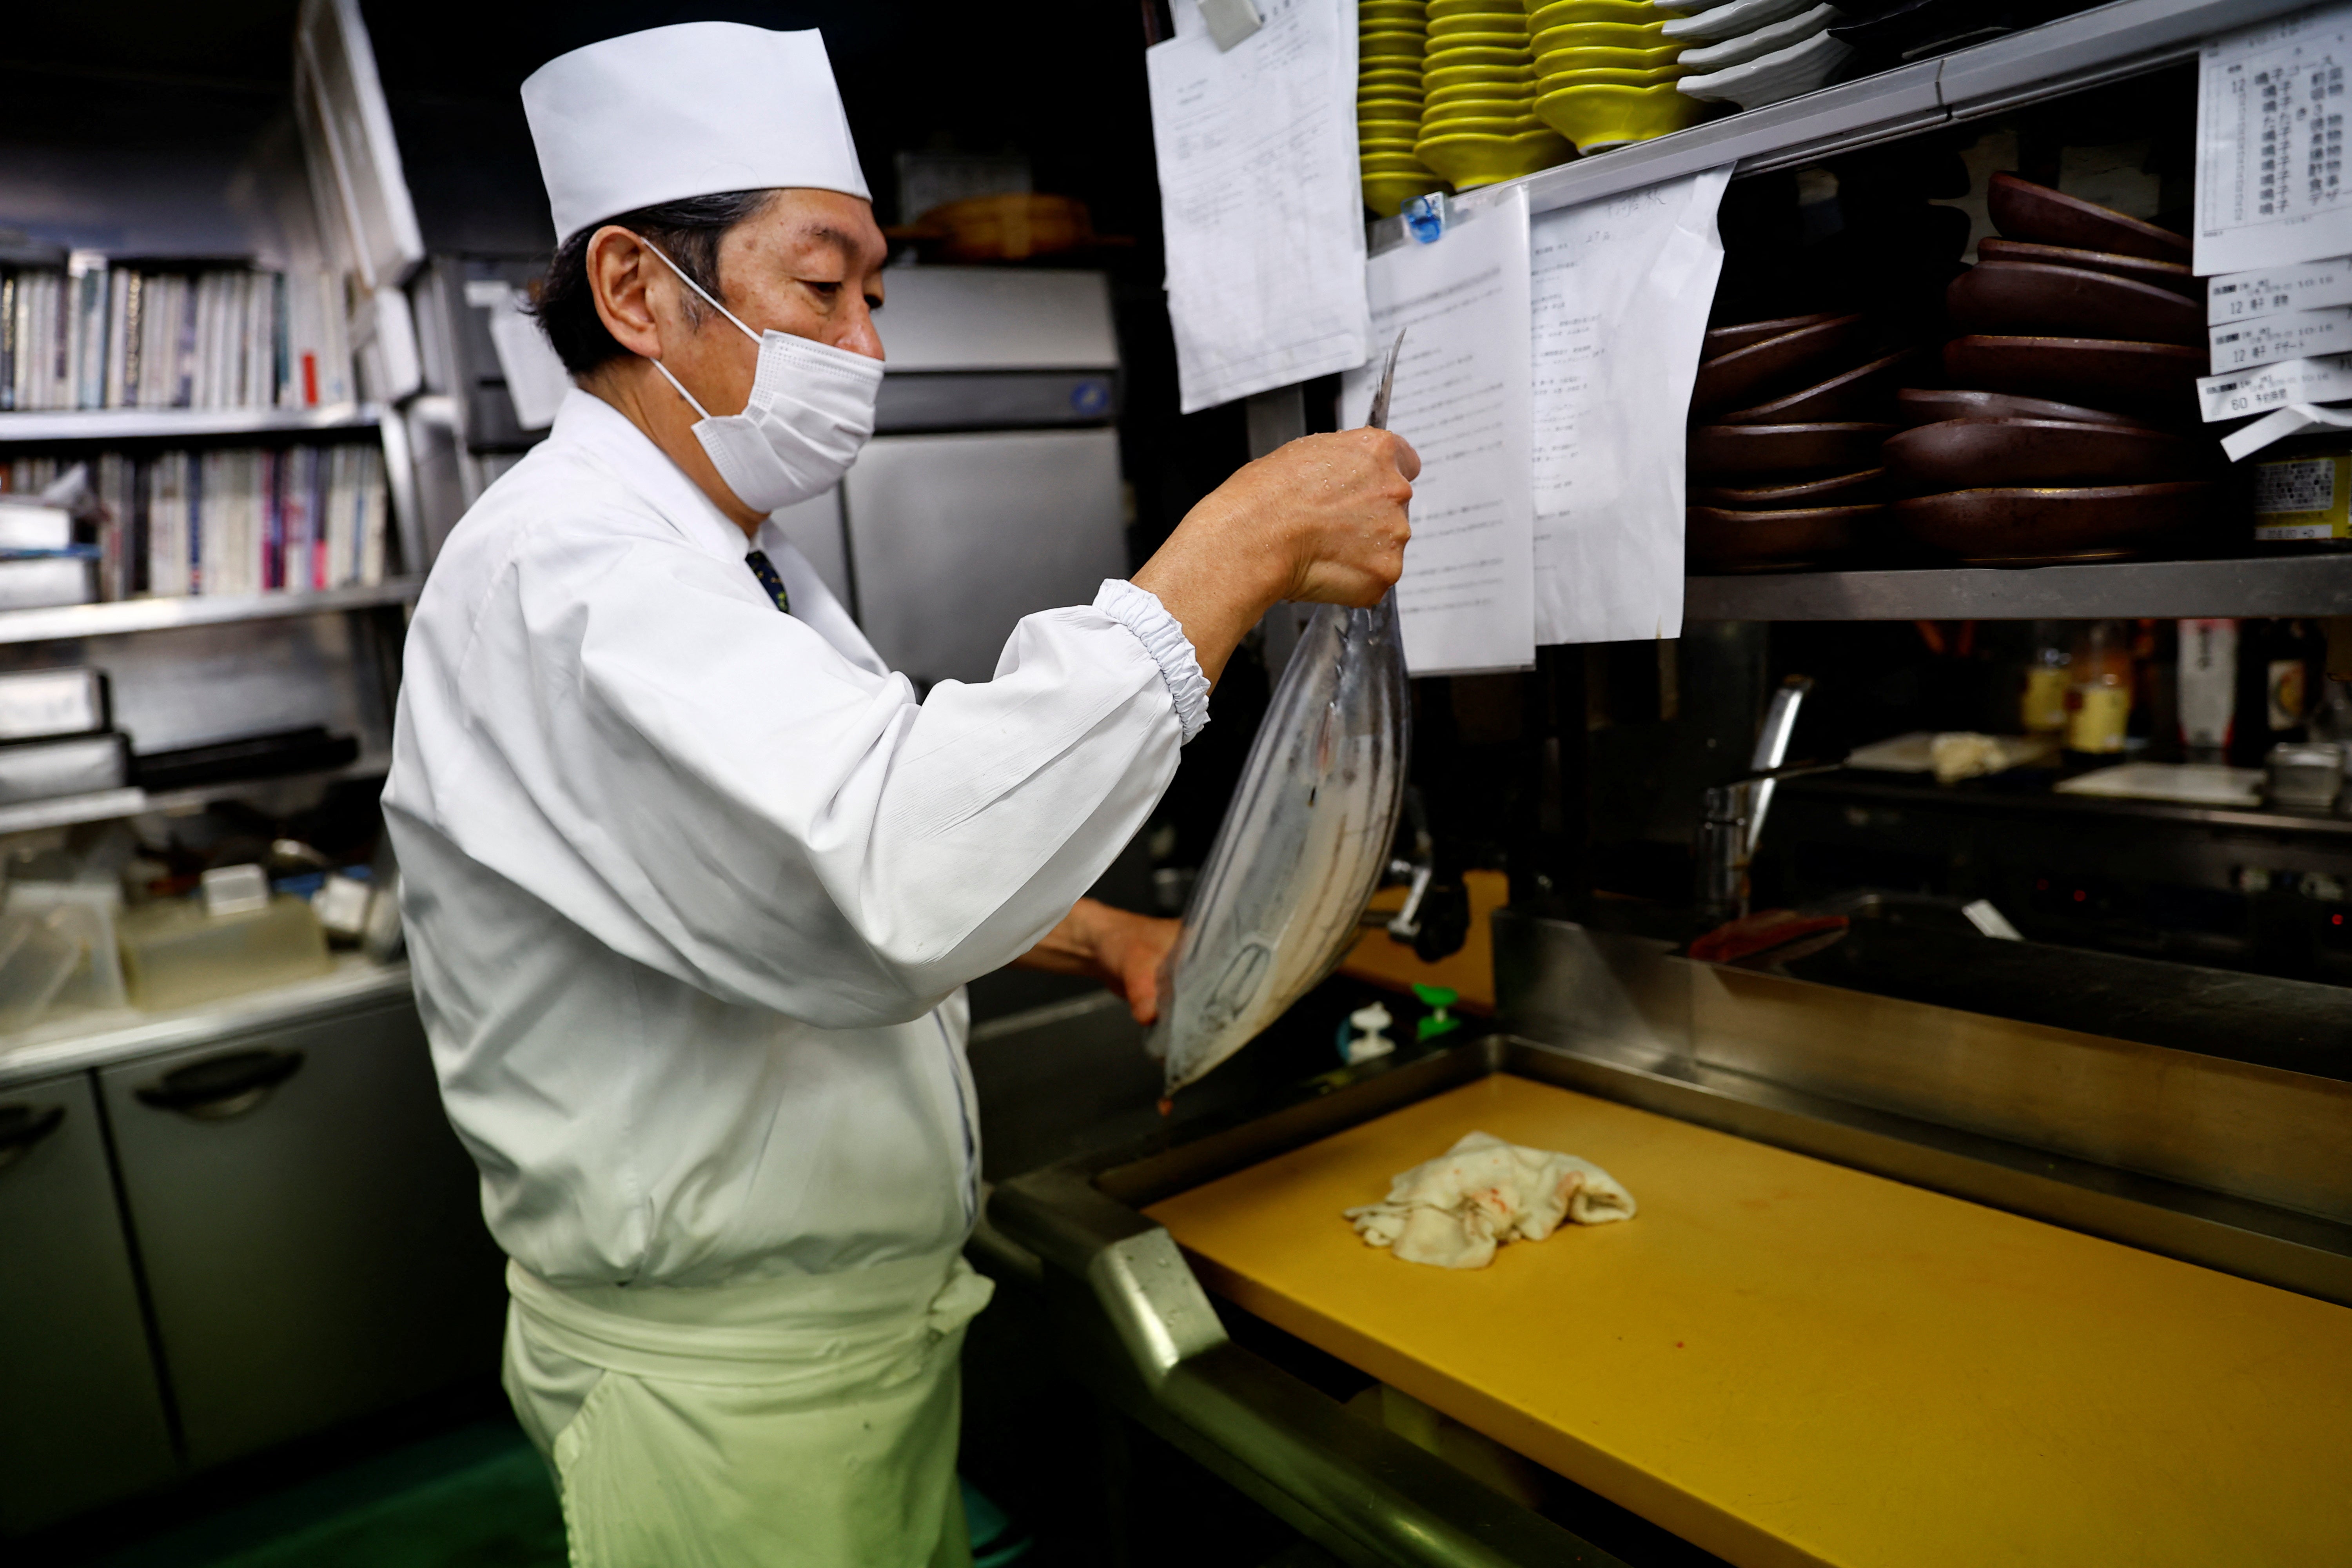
(1453, 1211)
(691, 886)
(804, 1422)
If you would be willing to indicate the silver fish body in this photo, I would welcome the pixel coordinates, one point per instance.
(1302, 846)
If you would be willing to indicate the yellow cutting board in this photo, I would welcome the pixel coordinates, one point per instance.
(1787, 1362)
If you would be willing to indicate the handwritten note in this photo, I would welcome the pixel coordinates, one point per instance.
(2272, 186)
(1260, 200)
(1620, 295)
(1461, 400)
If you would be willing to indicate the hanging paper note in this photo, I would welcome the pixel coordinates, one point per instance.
(2271, 187)
(1259, 199)
(1620, 291)
(1467, 597)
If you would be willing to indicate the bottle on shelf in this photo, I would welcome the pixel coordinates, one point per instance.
(2279, 669)
(2155, 728)
(2099, 696)
(2208, 688)
(2042, 707)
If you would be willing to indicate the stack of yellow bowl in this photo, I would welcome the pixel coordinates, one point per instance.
(1478, 123)
(1606, 71)
(1391, 35)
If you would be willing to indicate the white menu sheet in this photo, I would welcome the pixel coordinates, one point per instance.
(2272, 186)
(1621, 293)
(1461, 398)
(1260, 199)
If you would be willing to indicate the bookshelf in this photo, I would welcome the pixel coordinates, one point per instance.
(119, 616)
(219, 155)
(45, 425)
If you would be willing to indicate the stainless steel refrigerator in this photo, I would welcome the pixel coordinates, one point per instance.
(991, 488)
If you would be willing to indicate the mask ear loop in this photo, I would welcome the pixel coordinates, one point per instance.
(699, 411)
(714, 304)
(698, 287)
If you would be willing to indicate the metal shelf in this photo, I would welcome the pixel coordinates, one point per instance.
(178, 424)
(124, 615)
(2275, 585)
(2113, 41)
(104, 805)
(1858, 783)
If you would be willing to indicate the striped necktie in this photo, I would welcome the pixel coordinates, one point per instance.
(765, 571)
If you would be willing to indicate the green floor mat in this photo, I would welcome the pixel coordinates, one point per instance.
(501, 1513)
(477, 1497)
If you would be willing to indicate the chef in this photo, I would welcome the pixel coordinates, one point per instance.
(692, 881)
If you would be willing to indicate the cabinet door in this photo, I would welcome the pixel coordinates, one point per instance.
(81, 1414)
(311, 1226)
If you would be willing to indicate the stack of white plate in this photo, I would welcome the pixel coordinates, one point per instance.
(1755, 52)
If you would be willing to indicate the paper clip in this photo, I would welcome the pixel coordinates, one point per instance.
(1229, 21)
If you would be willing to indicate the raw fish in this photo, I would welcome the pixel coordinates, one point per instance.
(1304, 844)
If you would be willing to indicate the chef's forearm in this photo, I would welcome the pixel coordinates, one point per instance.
(1069, 947)
(1320, 521)
(1123, 950)
(1215, 608)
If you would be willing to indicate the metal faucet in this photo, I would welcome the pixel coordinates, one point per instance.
(1734, 813)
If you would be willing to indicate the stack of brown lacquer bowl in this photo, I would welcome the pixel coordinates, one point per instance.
(1788, 416)
(2072, 433)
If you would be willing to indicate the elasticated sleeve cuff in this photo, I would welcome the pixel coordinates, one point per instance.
(1140, 611)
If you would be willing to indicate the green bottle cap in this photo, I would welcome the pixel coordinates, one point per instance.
(1437, 999)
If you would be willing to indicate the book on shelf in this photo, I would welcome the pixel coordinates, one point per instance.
(31, 528)
(171, 334)
(41, 581)
(231, 521)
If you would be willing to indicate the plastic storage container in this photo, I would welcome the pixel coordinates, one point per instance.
(173, 954)
(35, 960)
(43, 770)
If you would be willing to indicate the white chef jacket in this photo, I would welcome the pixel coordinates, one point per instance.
(691, 885)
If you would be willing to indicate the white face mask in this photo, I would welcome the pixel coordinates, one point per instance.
(810, 409)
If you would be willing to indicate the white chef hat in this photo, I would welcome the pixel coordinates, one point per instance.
(688, 110)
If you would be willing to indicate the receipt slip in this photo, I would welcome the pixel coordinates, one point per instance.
(2327, 379)
(2276, 290)
(2267, 340)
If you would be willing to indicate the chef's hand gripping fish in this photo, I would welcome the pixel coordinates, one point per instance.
(1303, 844)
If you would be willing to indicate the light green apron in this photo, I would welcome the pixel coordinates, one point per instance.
(798, 1422)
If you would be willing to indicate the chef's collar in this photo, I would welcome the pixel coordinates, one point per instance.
(586, 421)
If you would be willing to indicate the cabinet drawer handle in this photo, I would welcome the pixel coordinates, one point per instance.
(22, 1126)
(222, 1087)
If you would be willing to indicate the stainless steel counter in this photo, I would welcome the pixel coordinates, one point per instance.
(2233, 1165)
(92, 1040)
